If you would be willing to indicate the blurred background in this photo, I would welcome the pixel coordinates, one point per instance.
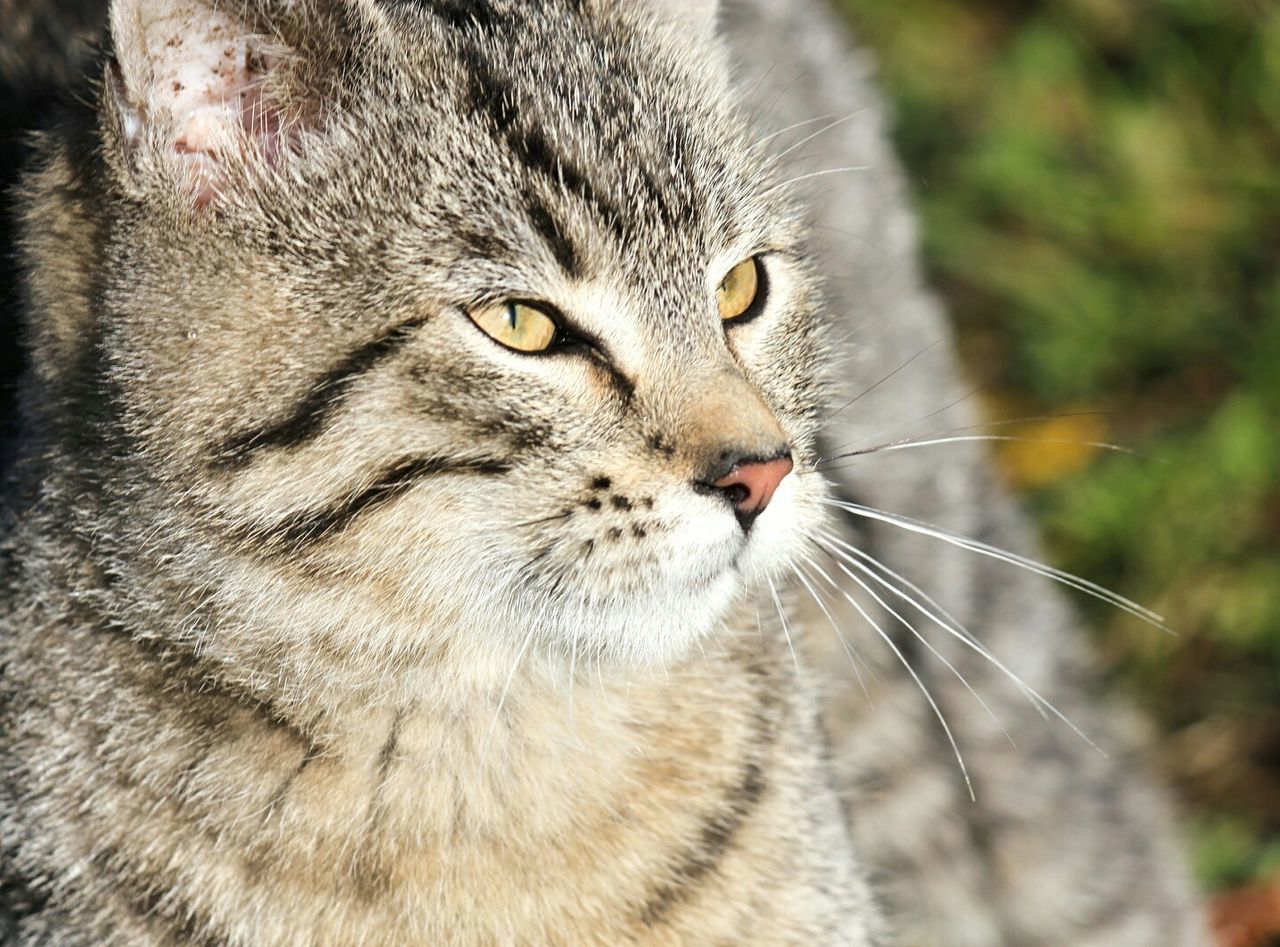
(1100, 187)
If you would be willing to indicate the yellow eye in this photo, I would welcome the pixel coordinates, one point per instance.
(739, 289)
(518, 326)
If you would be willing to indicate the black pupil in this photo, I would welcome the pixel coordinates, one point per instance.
(512, 315)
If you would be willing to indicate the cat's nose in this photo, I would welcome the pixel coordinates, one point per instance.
(749, 483)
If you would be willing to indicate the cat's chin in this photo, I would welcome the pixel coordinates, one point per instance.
(654, 625)
(661, 631)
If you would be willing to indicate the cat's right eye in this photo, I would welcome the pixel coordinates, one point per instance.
(519, 326)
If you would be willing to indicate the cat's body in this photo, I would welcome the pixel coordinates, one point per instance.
(329, 621)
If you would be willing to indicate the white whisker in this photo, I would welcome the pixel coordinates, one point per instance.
(791, 182)
(909, 443)
(924, 641)
(844, 642)
(821, 131)
(948, 623)
(786, 628)
(792, 127)
(937, 711)
(906, 583)
(848, 450)
(884, 432)
(502, 700)
(1003, 555)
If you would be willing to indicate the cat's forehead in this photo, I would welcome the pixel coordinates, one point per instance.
(587, 123)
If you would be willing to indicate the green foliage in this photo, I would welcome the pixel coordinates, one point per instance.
(1100, 185)
(1227, 849)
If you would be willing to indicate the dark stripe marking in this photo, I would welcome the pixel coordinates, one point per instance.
(208, 698)
(20, 896)
(622, 386)
(721, 828)
(715, 839)
(370, 875)
(151, 896)
(310, 527)
(464, 15)
(553, 233)
(309, 755)
(495, 99)
(309, 418)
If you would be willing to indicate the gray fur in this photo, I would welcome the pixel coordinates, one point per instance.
(328, 620)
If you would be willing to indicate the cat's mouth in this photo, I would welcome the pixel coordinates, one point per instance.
(651, 567)
(753, 539)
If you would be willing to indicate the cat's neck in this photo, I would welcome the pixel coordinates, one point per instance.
(446, 810)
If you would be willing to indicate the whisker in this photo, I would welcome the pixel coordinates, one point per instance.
(884, 432)
(848, 648)
(502, 700)
(791, 182)
(821, 131)
(908, 443)
(786, 628)
(937, 711)
(792, 127)
(1032, 419)
(955, 625)
(1003, 555)
(924, 641)
(866, 391)
(849, 451)
(974, 427)
(769, 111)
(954, 628)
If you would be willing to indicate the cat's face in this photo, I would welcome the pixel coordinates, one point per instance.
(319, 234)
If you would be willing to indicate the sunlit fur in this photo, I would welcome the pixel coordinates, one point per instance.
(330, 620)
(363, 592)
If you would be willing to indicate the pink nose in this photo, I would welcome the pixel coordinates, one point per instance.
(751, 486)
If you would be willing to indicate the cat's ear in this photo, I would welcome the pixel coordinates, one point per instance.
(191, 93)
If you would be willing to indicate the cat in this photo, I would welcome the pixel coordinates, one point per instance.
(430, 522)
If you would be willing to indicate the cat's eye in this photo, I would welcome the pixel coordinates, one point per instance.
(737, 293)
(520, 326)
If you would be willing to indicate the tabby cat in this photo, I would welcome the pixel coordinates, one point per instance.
(420, 531)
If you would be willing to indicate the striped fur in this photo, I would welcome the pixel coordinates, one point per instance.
(329, 621)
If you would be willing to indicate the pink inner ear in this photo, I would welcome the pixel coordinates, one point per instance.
(208, 79)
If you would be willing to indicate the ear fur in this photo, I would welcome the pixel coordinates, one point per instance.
(191, 84)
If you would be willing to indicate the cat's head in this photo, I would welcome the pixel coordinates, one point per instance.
(480, 314)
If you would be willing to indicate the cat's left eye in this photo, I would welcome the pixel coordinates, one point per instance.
(737, 294)
(519, 326)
